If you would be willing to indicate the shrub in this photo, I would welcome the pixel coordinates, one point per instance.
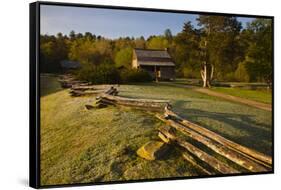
(107, 73)
(230, 77)
(135, 75)
(188, 72)
(100, 74)
(85, 72)
(241, 73)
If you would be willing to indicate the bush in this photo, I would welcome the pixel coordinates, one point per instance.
(230, 77)
(100, 74)
(135, 75)
(241, 73)
(85, 72)
(107, 73)
(188, 72)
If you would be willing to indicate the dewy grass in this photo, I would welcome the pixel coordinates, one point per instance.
(79, 145)
(99, 145)
(241, 123)
(49, 84)
(264, 95)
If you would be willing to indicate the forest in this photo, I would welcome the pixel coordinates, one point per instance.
(235, 53)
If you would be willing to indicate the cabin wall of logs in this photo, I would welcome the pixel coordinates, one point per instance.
(236, 158)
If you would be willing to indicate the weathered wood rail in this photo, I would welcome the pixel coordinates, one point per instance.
(250, 153)
(246, 158)
(210, 160)
(150, 104)
(77, 93)
(239, 156)
(242, 156)
(84, 87)
(67, 81)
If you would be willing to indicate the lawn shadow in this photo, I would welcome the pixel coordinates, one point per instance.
(49, 85)
(240, 128)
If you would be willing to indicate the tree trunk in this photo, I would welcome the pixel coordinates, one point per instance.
(207, 69)
(207, 73)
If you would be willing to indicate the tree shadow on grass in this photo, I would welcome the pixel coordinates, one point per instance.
(49, 85)
(45, 92)
(240, 128)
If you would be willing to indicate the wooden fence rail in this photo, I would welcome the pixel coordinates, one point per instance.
(244, 157)
(250, 153)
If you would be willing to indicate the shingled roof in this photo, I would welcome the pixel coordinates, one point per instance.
(70, 64)
(153, 57)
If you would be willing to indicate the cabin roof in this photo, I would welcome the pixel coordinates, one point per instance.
(151, 57)
(70, 64)
(155, 63)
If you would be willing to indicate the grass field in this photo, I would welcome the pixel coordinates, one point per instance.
(264, 96)
(78, 145)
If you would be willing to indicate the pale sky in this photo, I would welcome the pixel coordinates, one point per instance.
(112, 23)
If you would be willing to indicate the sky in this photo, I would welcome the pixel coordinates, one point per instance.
(112, 23)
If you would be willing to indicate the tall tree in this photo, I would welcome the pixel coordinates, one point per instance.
(124, 57)
(157, 42)
(168, 35)
(89, 35)
(52, 51)
(140, 43)
(185, 50)
(259, 53)
(72, 35)
(219, 44)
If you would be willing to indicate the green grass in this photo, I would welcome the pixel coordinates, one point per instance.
(241, 123)
(48, 84)
(264, 96)
(261, 95)
(82, 146)
(78, 145)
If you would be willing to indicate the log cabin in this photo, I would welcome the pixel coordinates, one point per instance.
(158, 63)
(67, 65)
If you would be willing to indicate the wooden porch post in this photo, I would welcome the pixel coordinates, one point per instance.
(155, 71)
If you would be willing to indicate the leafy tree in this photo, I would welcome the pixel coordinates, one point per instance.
(122, 43)
(84, 51)
(89, 35)
(219, 42)
(157, 42)
(104, 47)
(140, 43)
(52, 51)
(72, 35)
(59, 35)
(259, 53)
(90, 51)
(79, 35)
(217, 47)
(99, 37)
(124, 57)
(241, 73)
(185, 51)
(168, 35)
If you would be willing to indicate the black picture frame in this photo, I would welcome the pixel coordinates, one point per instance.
(34, 91)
